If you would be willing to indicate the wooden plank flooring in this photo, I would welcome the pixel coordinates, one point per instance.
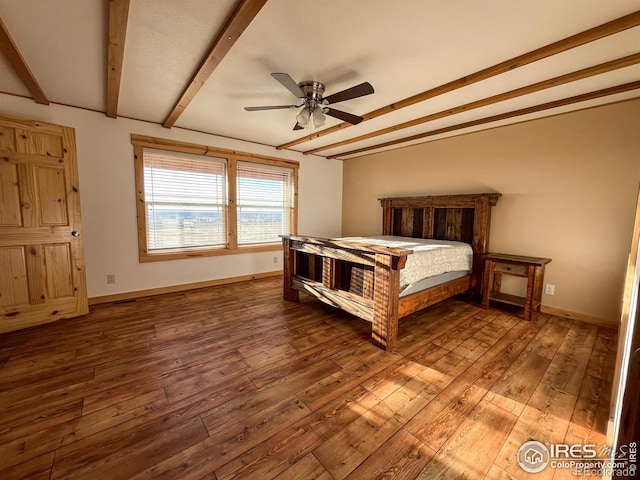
(232, 382)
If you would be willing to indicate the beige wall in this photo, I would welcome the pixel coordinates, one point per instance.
(107, 195)
(569, 186)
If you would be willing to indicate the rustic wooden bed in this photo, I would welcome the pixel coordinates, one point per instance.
(364, 280)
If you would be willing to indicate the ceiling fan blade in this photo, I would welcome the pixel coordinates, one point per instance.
(353, 92)
(347, 117)
(297, 126)
(270, 107)
(289, 83)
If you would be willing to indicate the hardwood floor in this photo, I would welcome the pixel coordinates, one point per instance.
(232, 382)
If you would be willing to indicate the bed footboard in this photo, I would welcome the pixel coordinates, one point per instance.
(361, 279)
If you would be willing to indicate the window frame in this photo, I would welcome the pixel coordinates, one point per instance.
(232, 158)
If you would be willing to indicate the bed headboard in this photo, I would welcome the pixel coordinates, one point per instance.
(464, 218)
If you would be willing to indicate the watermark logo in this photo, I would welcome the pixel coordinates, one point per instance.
(533, 456)
(584, 460)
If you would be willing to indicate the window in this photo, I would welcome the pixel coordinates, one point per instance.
(185, 200)
(265, 203)
(199, 201)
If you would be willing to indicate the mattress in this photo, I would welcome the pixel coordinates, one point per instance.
(432, 282)
(430, 258)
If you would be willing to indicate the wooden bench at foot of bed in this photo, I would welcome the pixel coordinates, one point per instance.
(364, 279)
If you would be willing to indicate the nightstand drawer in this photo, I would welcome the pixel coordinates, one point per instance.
(511, 269)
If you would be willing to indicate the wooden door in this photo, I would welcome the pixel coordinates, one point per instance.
(626, 408)
(42, 273)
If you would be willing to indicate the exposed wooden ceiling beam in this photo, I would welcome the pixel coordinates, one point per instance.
(239, 20)
(518, 92)
(502, 116)
(596, 33)
(19, 64)
(118, 19)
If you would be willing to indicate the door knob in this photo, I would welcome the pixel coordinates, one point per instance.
(75, 233)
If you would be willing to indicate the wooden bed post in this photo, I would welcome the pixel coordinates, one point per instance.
(480, 244)
(387, 217)
(384, 328)
(289, 270)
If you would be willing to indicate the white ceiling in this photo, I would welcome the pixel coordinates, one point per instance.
(402, 47)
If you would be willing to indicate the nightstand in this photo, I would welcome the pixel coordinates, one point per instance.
(532, 268)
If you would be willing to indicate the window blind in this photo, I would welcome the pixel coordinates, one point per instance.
(185, 198)
(264, 202)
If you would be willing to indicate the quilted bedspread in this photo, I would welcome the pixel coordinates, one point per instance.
(430, 257)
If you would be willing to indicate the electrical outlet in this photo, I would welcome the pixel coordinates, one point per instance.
(275, 259)
(549, 289)
(111, 278)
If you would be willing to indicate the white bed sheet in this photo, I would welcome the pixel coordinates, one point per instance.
(429, 258)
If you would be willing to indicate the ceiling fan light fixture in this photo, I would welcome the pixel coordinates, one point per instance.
(318, 117)
(303, 117)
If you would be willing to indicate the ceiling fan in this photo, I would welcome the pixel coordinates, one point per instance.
(314, 104)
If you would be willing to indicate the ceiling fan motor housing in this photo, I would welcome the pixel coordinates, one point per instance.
(313, 93)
